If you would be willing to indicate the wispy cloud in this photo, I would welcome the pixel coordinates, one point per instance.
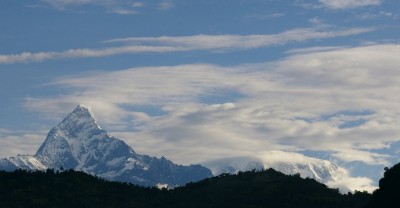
(349, 4)
(166, 44)
(254, 17)
(123, 7)
(124, 11)
(231, 42)
(137, 4)
(13, 143)
(338, 4)
(301, 102)
(166, 5)
(62, 4)
(386, 14)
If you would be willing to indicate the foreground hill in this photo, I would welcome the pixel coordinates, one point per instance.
(387, 196)
(69, 189)
(248, 189)
(267, 188)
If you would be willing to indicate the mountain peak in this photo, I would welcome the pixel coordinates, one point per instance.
(79, 118)
(82, 110)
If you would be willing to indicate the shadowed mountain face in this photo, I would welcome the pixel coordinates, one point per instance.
(79, 143)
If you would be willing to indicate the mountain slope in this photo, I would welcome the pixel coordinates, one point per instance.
(25, 162)
(79, 143)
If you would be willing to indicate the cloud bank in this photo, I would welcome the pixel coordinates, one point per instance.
(342, 101)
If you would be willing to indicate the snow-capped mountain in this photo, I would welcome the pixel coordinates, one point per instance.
(25, 162)
(79, 143)
(321, 170)
(288, 163)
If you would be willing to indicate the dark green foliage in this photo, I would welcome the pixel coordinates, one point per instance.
(69, 189)
(268, 188)
(253, 189)
(388, 193)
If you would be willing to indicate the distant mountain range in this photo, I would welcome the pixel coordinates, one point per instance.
(78, 143)
(288, 163)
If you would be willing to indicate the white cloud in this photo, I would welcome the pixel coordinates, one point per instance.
(124, 11)
(339, 177)
(349, 4)
(123, 7)
(365, 156)
(4, 131)
(14, 143)
(61, 4)
(369, 16)
(299, 103)
(346, 182)
(231, 42)
(263, 17)
(137, 4)
(166, 5)
(315, 20)
(27, 57)
(166, 44)
(323, 171)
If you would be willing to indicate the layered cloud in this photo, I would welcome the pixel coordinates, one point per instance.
(13, 143)
(165, 44)
(340, 100)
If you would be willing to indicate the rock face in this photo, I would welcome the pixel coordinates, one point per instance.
(79, 143)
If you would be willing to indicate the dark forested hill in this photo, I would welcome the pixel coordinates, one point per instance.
(267, 188)
(69, 189)
(387, 196)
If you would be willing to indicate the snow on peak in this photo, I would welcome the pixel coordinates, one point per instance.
(73, 140)
(80, 119)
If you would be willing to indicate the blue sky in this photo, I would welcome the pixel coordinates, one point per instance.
(201, 80)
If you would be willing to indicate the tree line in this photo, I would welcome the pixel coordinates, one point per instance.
(252, 189)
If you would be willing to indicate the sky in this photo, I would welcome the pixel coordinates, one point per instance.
(196, 81)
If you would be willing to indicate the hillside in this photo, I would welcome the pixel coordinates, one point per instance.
(69, 189)
(247, 189)
(267, 188)
(387, 196)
